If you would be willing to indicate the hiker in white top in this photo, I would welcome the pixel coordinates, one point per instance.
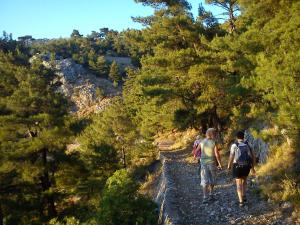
(209, 155)
(241, 160)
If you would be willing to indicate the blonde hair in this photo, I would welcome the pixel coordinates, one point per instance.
(210, 133)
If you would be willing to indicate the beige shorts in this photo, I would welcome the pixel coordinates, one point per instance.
(208, 174)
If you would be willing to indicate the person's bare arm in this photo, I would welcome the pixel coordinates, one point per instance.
(198, 147)
(193, 150)
(217, 155)
(230, 161)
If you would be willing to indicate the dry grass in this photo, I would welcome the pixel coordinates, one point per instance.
(278, 176)
(179, 139)
(191, 160)
(279, 157)
(151, 185)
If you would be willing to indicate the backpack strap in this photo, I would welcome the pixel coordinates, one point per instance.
(251, 151)
(246, 142)
(237, 147)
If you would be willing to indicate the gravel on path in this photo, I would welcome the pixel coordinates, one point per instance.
(224, 209)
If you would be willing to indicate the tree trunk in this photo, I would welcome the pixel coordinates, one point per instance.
(231, 18)
(48, 200)
(124, 157)
(1, 215)
(51, 206)
(215, 120)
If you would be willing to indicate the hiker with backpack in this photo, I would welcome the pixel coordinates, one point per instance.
(241, 160)
(209, 153)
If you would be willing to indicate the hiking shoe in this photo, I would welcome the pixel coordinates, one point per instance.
(244, 199)
(241, 204)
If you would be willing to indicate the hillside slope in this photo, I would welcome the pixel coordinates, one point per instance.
(86, 92)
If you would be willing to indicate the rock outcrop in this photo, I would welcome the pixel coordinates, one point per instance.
(87, 92)
(260, 147)
(122, 62)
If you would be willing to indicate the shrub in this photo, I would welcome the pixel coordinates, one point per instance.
(121, 203)
(279, 176)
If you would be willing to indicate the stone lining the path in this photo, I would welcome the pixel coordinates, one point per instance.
(168, 214)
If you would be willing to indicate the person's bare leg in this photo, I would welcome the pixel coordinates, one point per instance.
(211, 186)
(205, 191)
(211, 189)
(239, 189)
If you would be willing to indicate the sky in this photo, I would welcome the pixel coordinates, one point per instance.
(58, 18)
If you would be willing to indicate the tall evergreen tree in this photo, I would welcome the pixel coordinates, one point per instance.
(114, 73)
(75, 34)
(101, 66)
(230, 8)
(33, 141)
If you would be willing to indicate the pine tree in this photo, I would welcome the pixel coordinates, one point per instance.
(101, 67)
(33, 141)
(271, 41)
(179, 73)
(114, 73)
(230, 7)
(75, 34)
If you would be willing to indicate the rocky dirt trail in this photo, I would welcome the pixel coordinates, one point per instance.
(187, 197)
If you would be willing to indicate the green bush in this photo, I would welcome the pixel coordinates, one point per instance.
(66, 221)
(70, 221)
(121, 203)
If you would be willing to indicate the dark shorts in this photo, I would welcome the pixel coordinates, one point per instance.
(240, 171)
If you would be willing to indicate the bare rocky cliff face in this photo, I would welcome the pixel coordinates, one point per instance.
(86, 92)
